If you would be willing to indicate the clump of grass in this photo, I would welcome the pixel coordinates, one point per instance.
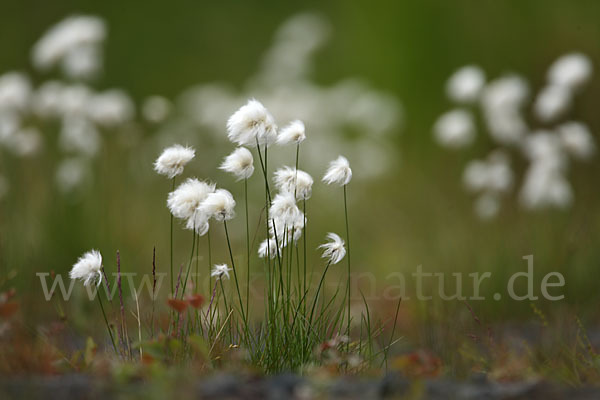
(296, 324)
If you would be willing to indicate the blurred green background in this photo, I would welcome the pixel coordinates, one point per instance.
(415, 214)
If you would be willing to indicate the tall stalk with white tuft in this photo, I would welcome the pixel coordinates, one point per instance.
(240, 163)
(88, 269)
(171, 163)
(339, 173)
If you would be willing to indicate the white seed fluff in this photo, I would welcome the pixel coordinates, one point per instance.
(291, 180)
(455, 129)
(88, 268)
(284, 209)
(219, 205)
(577, 140)
(268, 247)
(293, 133)
(220, 271)
(339, 172)
(184, 201)
(252, 124)
(240, 163)
(465, 85)
(570, 71)
(333, 250)
(173, 159)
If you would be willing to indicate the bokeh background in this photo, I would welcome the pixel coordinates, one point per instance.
(410, 210)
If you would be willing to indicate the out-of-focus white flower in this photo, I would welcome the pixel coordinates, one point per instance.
(465, 85)
(544, 146)
(46, 101)
(487, 206)
(570, 71)
(74, 99)
(10, 123)
(475, 175)
(239, 163)
(268, 247)
(219, 205)
(78, 134)
(339, 172)
(156, 109)
(88, 268)
(65, 37)
(455, 129)
(290, 180)
(294, 133)
(333, 250)
(173, 159)
(111, 108)
(220, 271)
(284, 208)
(493, 175)
(70, 174)
(25, 142)
(545, 186)
(252, 124)
(15, 91)
(82, 62)
(552, 102)
(184, 201)
(577, 139)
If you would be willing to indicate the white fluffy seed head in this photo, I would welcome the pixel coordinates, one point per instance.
(333, 250)
(185, 200)
(173, 159)
(220, 271)
(240, 163)
(219, 205)
(198, 222)
(291, 180)
(465, 85)
(293, 133)
(268, 247)
(339, 172)
(570, 71)
(552, 102)
(577, 140)
(287, 232)
(284, 208)
(455, 129)
(88, 268)
(252, 124)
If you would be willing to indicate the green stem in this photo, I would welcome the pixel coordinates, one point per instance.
(187, 274)
(247, 248)
(347, 257)
(317, 293)
(237, 286)
(172, 282)
(112, 338)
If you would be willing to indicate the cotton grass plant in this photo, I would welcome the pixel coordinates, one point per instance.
(286, 329)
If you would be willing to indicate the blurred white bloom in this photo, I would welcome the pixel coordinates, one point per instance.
(173, 159)
(88, 268)
(284, 208)
(544, 187)
(15, 91)
(252, 124)
(156, 109)
(65, 37)
(455, 129)
(70, 174)
(552, 102)
(26, 142)
(268, 247)
(219, 205)
(339, 172)
(187, 197)
(544, 146)
(82, 62)
(487, 206)
(78, 134)
(46, 101)
(239, 163)
(10, 123)
(570, 71)
(510, 91)
(333, 250)
(475, 175)
(111, 108)
(220, 271)
(577, 140)
(290, 180)
(506, 126)
(75, 99)
(492, 176)
(465, 85)
(294, 133)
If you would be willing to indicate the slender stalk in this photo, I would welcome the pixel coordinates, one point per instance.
(187, 274)
(317, 293)
(247, 249)
(209, 259)
(172, 282)
(112, 339)
(153, 290)
(348, 258)
(212, 298)
(237, 286)
(196, 287)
